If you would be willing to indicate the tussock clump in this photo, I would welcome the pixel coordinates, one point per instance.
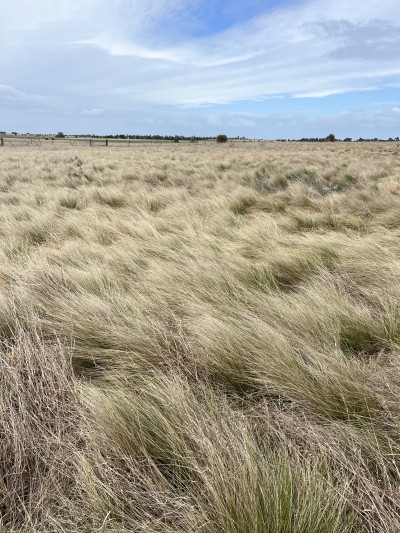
(110, 197)
(243, 204)
(71, 200)
(264, 488)
(39, 424)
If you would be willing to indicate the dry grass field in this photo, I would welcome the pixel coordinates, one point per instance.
(200, 338)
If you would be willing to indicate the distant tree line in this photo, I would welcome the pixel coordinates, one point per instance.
(194, 138)
(146, 137)
(330, 138)
(346, 139)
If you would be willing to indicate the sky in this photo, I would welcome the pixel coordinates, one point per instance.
(266, 69)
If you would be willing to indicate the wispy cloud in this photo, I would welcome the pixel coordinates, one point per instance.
(31, 15)
(10, 94)
(94, 112)
(126, 55)
(312, 48)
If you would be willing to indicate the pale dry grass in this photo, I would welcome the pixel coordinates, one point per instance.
(200, 338)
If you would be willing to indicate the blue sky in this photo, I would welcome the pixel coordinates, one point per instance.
(262, 69)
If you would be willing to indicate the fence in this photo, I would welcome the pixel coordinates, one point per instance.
(37, 141)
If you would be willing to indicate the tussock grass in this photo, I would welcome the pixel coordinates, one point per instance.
(194, 338)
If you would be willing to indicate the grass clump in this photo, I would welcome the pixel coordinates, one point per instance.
(110, 197)
(71, 200)
(265, 488)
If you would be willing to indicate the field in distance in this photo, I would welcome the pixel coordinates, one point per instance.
(200, 338)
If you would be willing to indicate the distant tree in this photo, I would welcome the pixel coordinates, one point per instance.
(347, 140)
(60, 135)
(330, 138)
(222, 138)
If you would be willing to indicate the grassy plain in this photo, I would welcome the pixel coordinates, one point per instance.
(200, 338)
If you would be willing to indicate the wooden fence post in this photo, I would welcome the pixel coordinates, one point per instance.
(2, 141)
(106, 142)
(90, 142)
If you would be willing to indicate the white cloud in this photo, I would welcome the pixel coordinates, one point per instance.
(29, 15)
(125, 55)
(8, 94)
(311, 49)
(94, 112)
